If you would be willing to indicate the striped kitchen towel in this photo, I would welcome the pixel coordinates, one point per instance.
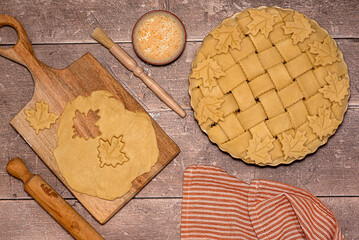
(219, 206)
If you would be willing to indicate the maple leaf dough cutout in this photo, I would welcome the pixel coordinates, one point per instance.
(326, 52)
(294, 146)
(40, 118)
(258, 149)
(208, 70)
(228, 35)
(261, 21)
(208, 107)
(322, 124)
(337, 89)
(300, 28)
(111, 152)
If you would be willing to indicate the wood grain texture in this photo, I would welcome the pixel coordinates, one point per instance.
(173, 78)
(127, 61)
(73, 21)
(137, 220)
(52, 202)
(62, 22)
(339, 18)
(332, 172)
(57, 88)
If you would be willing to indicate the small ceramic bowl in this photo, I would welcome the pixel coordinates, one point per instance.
(159, 37)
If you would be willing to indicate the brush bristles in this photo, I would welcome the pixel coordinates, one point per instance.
(99, 35)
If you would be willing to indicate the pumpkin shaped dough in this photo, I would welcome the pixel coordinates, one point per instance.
(105, 166)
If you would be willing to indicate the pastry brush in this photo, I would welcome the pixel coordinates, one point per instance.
(99, 35)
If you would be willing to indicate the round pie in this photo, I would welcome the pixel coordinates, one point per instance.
(269, 86)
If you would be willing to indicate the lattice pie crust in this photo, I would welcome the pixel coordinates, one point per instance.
(269, 86)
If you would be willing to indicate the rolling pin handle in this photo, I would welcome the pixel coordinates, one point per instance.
(22, 51)
(17, 168)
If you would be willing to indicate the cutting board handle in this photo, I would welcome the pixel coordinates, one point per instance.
(22, 51)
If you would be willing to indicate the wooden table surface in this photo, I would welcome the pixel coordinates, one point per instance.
(60, 32)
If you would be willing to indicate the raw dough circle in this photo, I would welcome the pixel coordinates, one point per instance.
(79, 159)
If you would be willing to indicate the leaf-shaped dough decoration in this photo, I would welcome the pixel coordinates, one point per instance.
(228, 35)
(261, 21)
(322, 124)
(111, 152)
(40, 118)
(294, 146)
(208, 107)
(258, 149)
(327, 52)
(300, 28)
(208, 70)
(337, 89)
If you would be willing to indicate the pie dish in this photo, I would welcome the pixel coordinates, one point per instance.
(269, 86)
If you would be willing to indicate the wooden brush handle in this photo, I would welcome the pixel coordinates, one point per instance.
(22, 51)
(52, 202)
(131, 65)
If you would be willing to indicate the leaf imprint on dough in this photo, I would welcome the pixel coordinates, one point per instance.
(85, 125)
(258, 149)
(209, 107)
(228, 35)
(300, 28)
(208, 70)
(111, 152)
(262, 21)
(336, 89)
(323, 124)
(294, 146)
(327, 52)
(40, 117)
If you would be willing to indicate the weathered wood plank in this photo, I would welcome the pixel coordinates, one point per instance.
(140, 219)
(331, 171)
(73, 21)
(16, 90)
(340, 18)
(18, 85)
(346, 209)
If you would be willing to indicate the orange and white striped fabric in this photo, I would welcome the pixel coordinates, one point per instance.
(219, 206)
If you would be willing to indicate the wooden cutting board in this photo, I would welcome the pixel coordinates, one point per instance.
(58, 87)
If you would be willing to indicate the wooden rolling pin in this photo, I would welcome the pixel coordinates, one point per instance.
(100, 36)
(52, 202)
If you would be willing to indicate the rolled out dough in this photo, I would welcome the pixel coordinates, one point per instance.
(106, 165)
